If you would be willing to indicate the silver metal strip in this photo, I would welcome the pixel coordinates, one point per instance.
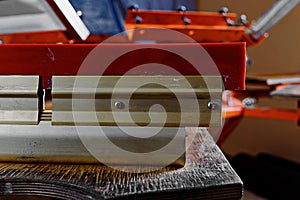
(89, 144)
(19, 101)
(274, 14)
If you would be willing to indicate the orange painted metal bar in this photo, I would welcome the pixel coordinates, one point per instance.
(173, 17)
(234, 113)
(236, 109)
(198, 33)
(35, 37)
(47, 60)
(51, 37)
(201, 26)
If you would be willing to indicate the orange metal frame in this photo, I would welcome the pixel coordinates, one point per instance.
(271, 113)
(203, 26)
(35, 37)
(47, 60)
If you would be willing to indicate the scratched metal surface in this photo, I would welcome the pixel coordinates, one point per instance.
(206, 175)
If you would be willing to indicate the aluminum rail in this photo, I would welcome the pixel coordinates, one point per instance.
(274, 14)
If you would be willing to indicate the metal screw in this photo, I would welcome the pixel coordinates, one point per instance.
(212, 105)
(182, 8)
(79, 13)
(244, 20)
(249, 61)
(249, 102)
(223, 11)
(186, 21)
(227, 97)
(138, 19)
(134, 7)
(119, 105)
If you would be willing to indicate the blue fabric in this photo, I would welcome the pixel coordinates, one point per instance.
(107, 16)
(99, 16)
(161, 4)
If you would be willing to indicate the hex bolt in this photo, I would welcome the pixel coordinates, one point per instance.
(249, 102)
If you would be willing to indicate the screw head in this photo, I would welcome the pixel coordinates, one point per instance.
(244, 20)
(79, 13)
(119, 105)
(138, 20)
(186, 21)
(212, 105)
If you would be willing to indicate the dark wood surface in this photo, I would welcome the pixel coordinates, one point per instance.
(206, 175)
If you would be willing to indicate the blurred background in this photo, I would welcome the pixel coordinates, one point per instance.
(260, 137)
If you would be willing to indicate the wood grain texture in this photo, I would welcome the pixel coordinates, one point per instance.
(206, 175)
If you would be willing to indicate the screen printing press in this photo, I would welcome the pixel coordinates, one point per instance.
(50, 142)
(133, 117)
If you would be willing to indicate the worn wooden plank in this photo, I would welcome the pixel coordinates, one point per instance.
(206, 175)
